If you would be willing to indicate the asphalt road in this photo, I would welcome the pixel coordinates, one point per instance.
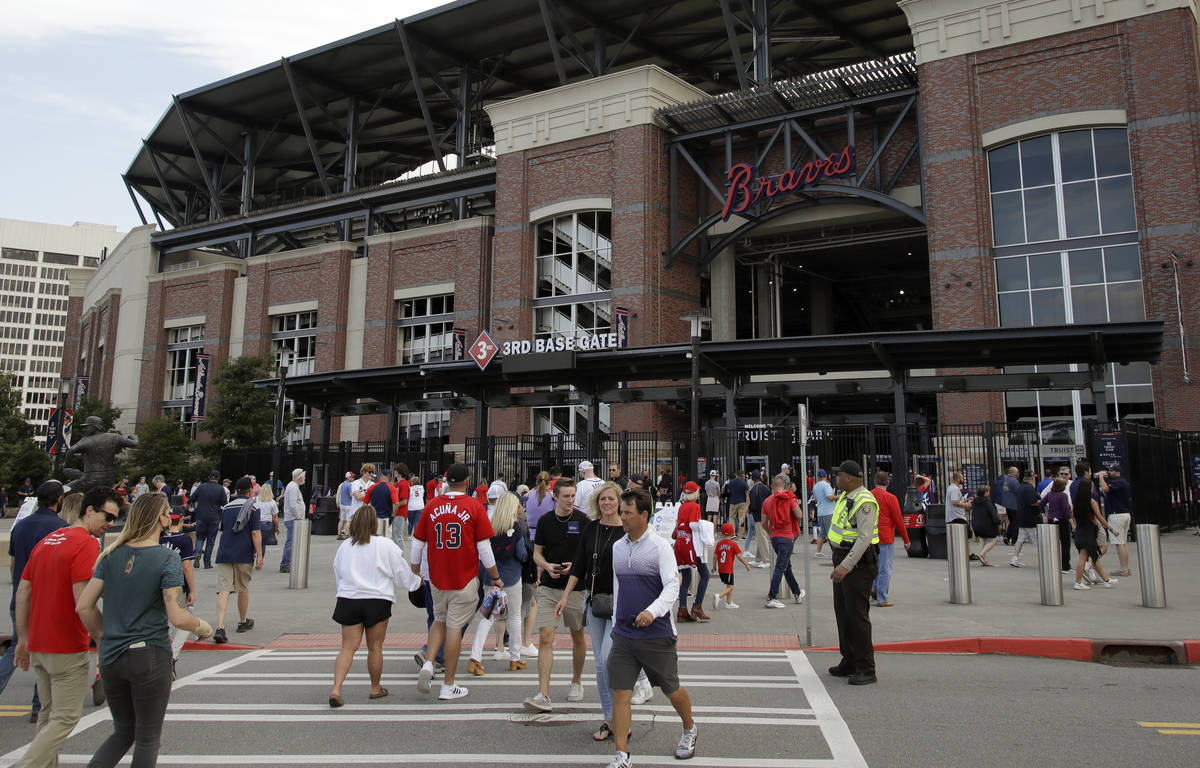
(766, 709)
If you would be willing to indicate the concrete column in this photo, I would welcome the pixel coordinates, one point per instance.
(764, 302)
(723, 296)
(820, 306)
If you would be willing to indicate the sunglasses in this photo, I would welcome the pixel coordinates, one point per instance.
(110, 517)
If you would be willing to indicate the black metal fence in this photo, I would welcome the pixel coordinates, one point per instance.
(1162, 465)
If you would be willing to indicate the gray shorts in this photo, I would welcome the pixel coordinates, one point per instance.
(656, 655)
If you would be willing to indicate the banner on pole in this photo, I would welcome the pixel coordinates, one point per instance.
(200, 395)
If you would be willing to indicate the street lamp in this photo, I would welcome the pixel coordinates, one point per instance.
(697, 322)
(280, 393)
(64, 389)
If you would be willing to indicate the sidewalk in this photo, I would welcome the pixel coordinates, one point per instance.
(1006, 603)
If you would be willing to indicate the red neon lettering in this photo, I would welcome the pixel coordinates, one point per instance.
(739, 185)
(746, 188)
(843, 165)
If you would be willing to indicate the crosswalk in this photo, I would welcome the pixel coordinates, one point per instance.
(761, 709)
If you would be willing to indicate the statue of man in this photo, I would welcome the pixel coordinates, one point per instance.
(99, 450)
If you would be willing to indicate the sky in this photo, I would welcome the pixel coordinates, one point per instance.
(83, 83)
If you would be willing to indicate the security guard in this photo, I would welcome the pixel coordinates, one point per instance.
(856, 563)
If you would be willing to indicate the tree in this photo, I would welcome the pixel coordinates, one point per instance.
(164, 448)
(243, 415)
(94, 406)
(20, 456)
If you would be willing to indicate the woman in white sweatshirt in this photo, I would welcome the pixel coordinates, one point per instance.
(366, 571)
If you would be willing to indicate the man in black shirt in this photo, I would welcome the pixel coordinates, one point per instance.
(554, 548)
(207, 500)
(759, 492)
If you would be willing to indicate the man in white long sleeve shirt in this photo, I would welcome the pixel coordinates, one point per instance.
(293, 510)
(645, 587)
(455, 535)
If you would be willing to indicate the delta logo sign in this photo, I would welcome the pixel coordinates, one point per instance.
(747, 188)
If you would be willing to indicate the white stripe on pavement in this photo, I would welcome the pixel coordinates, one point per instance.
(835, 730)
(475, 759)
(474, 707)
(333, 718)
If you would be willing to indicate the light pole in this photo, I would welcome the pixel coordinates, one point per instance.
(64, 389)
(280, 394)
(697, 321)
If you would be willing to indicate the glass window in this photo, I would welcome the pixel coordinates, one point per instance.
(1011, 274)
(1048, 307)
(1004, 168)
(1088, 304)
(1112, 151)
(1037, 163)
(1045, 270)
(426, 330)
(1079, 207)
(1075, 155)
(1116, 204)
(1008, 218)
(1014, 309)
(1121, 262)
(1086, 267)
(1125, 302)
(1041, 214)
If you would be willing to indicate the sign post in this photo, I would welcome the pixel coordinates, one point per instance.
(805, 535)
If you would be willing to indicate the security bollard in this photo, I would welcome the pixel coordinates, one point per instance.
(957, 559)
(301, 535)
(383, 527)
(1150, 567)
(1049, 564)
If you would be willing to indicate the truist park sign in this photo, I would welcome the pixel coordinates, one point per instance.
(747, 188)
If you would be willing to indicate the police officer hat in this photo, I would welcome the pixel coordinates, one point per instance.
(851, 468)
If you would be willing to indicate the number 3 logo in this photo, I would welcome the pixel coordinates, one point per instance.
(481, 351)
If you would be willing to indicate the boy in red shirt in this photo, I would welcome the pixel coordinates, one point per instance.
(781, 511)
(727, 550)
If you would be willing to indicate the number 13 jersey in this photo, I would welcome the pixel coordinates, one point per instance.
(451, 526)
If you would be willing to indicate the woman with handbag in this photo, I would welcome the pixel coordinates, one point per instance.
(268, 515)
(593, 568)
(511, 549)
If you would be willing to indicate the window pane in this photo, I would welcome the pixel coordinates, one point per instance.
(1045, 270)
(1041, 215)
(1085, 267)
(1087, 304)
(1004, 169)
(1125, 302)
(436, 305)
(587, 272)
(1014, 309)
(545, 239)
(1121, 263)
(545, 277)
(1011, 274)
(1116, 204)
(1079, 203)
(1007, 219)
(1075, 155)
(1036, 162)
(1112, 151)
(1133, 373)
(1048, 307)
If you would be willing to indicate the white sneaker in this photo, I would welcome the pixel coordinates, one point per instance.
(529, 650)
(540, 702)
(621, 761)
(1080, 585)
(500, 656)
(1108, 584)
(762, 564)
(716, 602)
(452, 692)
(642, 692)
(575, 692)
(820, 555)
(1015, 563)
(773, 603)
(799, 599)
(424, 677)
(687, 744)
(732, 605)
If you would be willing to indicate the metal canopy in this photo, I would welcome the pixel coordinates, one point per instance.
(596, 374)
(364, 110)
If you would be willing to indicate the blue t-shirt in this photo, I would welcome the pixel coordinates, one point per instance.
(25, 536)
(134, 579)
(1119, 499)
(181, 543)
(344, 497)
(236, 547)
(822, 490)
(381, 499)
(738, 490)
(208, 500)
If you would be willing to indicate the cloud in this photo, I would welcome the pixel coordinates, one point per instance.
(229, 35)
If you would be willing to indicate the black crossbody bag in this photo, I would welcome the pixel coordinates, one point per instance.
(602, 605)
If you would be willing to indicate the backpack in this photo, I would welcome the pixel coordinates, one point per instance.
(245, 514)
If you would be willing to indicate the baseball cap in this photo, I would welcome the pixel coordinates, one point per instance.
(785, 466)
(756, 475)
(214, 475)
(297, 473)
(175, 514)
(243, 484)
(457, 473)
(349, 475)
(49, 492)
(727, 529)
(821, 473)
(585, 464)
(496, 489)
(712, 473)
(690, 487)
(637, 478)
(851, 468)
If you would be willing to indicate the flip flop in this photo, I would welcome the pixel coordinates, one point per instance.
(382, 692)
(335, 701)
(604, 733)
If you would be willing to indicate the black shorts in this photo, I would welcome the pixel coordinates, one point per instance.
(726, 578)
(350, 612)
(656, 655)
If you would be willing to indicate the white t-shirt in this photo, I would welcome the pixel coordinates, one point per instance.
(416, 497)
(267, 510)
(583, 493)
(372, 570)
(358, 486)
(27, 508)
(954, 494)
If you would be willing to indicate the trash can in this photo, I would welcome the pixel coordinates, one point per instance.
(325, 518)
(914, 520)
(935, 530)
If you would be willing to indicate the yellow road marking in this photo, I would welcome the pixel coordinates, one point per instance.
(1178, 732)
(24, 707)
(15, 714)
(1169, 725)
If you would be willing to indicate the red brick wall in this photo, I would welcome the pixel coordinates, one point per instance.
(1116, 66)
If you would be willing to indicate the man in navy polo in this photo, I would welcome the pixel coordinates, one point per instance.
(24, 537)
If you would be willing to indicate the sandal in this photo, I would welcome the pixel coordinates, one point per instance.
(335, 701)
(983, 562)
(604, 733)
(382, 692)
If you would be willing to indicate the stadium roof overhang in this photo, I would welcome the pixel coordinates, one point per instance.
(820, 365)
(363, 111)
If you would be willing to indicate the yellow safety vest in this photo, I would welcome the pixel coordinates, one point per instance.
(843, 531)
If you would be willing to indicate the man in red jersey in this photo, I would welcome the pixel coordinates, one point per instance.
(890, 522)
(51, 636)
(455, 535)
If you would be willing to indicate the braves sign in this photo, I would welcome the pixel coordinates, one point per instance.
(747, 188)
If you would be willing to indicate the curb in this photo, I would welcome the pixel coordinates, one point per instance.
(1069, 648)
(193, 645)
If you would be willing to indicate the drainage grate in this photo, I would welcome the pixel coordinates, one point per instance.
(1137, 653)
